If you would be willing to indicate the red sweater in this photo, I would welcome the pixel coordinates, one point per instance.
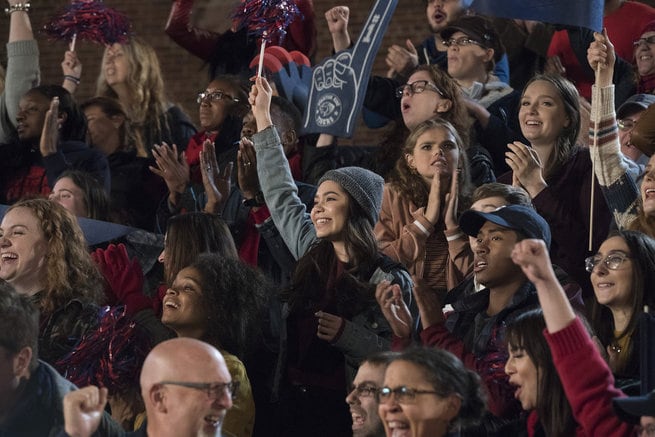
(588, 383)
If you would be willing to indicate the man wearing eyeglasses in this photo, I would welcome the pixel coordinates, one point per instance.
(628, 115)
(186, 388)
(363, 398)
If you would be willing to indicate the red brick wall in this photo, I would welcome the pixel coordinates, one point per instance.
(184, 74)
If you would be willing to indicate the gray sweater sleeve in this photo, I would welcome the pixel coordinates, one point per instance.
(281, 194)
(22, 75)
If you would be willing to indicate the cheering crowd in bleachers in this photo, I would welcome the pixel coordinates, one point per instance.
(483, 268)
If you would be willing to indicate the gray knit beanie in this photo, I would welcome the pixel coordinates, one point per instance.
(363, 185)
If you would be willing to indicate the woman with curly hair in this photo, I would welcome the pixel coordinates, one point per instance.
(131, 73)
(421, 203)
(219, 300)
(43, 254)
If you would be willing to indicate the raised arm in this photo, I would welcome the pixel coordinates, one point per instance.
(589, 388)
(280, 192)
(616, 173)
(22, 68)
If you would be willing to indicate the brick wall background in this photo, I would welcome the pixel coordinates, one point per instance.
(183, 73)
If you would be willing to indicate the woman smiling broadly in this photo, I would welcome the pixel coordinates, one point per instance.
(557, 173)
(420, 207)
(333, 320)
(219, 300)
(559, 373)
(622, 273)
(44, 255)
(429, 393)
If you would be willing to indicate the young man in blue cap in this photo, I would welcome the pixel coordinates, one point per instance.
(474, 331)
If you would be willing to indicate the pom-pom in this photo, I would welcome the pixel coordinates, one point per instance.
(267, 19)
(89, 20)
(110, 356)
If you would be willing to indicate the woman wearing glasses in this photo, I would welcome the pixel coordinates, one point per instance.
(218, 300)
(622, 273)
(559, 374)
(221, 108)
(429, 393)
(421, 204)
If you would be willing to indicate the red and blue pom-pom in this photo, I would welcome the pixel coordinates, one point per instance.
(89, 20)
(267, 19)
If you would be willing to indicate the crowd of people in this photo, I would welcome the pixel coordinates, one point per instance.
(483, 268)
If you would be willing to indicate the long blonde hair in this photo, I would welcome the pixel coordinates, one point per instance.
(146, 86)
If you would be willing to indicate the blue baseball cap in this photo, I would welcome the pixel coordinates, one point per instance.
(523, 219)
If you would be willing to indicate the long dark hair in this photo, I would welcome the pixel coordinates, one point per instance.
(95, 196)
(233, 295)
(566, 141)
(314, 269)
(525, 332)
(642, 255)
(191, 234)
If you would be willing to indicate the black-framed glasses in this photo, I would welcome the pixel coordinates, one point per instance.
(461, 42)
(612, 261)
(417, 87)
(626, 124)
(649, 40)
(364, 390)
(214, 390)
(214, 96)
(404, 395)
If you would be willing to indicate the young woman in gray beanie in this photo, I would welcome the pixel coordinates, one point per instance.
(333, 318)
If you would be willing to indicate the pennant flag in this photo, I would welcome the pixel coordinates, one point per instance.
(583, 13)
(339, 82)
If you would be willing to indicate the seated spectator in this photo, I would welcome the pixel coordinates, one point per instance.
(621, 273)
(219, 300)
(473, 48)
(51, 134)
(135, 191)
(421, 204)
(130, 72)
(186, 387)
(44, 256)
(547, 347)
(363, 398)
(221, 107)
(230, 52)
(643, 55)
(628, 115)
(429, 393)
(31, 391)
(81, 195)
